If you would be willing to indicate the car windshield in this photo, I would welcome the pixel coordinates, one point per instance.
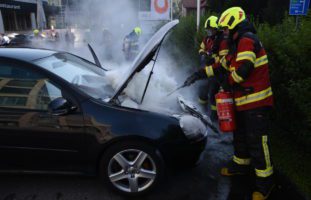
(82, 74)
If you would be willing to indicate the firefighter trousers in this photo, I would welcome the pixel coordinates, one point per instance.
(251, 141)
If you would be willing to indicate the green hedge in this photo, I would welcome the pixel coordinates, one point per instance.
(289, 53)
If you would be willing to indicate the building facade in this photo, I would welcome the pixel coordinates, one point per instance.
(22, 15)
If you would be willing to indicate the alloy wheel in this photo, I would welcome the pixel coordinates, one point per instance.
(132, 170)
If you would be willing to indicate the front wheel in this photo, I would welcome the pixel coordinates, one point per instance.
(132, 168)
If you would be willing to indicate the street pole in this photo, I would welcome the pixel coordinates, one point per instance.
(297, 22)
(1, 24)
(198, 14)
(171, 10)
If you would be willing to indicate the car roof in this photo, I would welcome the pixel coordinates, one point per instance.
(25, 54)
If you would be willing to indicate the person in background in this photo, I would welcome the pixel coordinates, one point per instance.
(70, 38)
(131, 44)
(107, 44)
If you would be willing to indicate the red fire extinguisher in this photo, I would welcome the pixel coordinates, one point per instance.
(225, 111)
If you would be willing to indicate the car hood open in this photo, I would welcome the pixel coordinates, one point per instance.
(145, 56)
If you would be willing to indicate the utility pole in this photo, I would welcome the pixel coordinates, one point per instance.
(171, 10)
(198, 14)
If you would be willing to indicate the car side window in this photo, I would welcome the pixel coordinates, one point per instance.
(23, 88)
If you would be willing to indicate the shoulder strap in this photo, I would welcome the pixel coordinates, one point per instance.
(257, 43)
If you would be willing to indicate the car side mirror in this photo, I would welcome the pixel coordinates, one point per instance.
(60, 106)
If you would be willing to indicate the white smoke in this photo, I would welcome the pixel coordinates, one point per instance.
(90, 19)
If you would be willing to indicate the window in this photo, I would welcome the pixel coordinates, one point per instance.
(22, 88)
(144, 5)
(82, 74)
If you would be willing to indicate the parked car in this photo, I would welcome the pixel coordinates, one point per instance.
(19, 40)
(58, 114)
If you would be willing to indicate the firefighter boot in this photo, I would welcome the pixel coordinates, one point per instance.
(264, 187)
(233, 169)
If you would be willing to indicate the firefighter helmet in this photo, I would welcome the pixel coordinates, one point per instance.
(211, 22)
(137, 30)
(231, 17)
(36, 32)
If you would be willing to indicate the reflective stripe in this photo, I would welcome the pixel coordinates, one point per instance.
(213, 107)
(253, 97)
(242, 161)
(202, 47)
(266, 150)
(231, 68)
(236, 77)
(209, 71)
(261, 61)
(246, 55)
(201, 101)
(223, 52)
(264, 173)
(223, 62)
(224, 100)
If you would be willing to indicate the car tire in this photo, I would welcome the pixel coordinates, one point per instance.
(132, 168)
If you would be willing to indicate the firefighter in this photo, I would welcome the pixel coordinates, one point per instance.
(107, 43)
(212, 48)
(248, 79)
(131, 44)
(207, 54)
(36, 33)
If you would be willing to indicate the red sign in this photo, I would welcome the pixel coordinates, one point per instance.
(160, 9)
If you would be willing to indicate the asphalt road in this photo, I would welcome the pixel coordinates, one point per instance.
(200, 183)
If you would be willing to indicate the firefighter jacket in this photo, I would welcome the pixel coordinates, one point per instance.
(248, 73)
(210, 45)
(206, 45)
(215, 47)
(131, 45)
(223, 48)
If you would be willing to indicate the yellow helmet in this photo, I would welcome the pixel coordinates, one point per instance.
(36, 32)
(231, 17)
(137, 30)
(211, 22)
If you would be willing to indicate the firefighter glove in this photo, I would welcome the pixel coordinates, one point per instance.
(203, 58)
(191, 79)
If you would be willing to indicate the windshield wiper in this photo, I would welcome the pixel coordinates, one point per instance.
(95, 58)
(151, 72)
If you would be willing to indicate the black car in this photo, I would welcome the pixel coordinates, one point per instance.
(58, 114)
(20, 40)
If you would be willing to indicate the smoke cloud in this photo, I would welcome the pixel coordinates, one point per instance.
(103, 25)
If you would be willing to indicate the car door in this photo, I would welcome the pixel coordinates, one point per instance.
(31, 138)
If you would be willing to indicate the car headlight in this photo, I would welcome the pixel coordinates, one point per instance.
(193, 127)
